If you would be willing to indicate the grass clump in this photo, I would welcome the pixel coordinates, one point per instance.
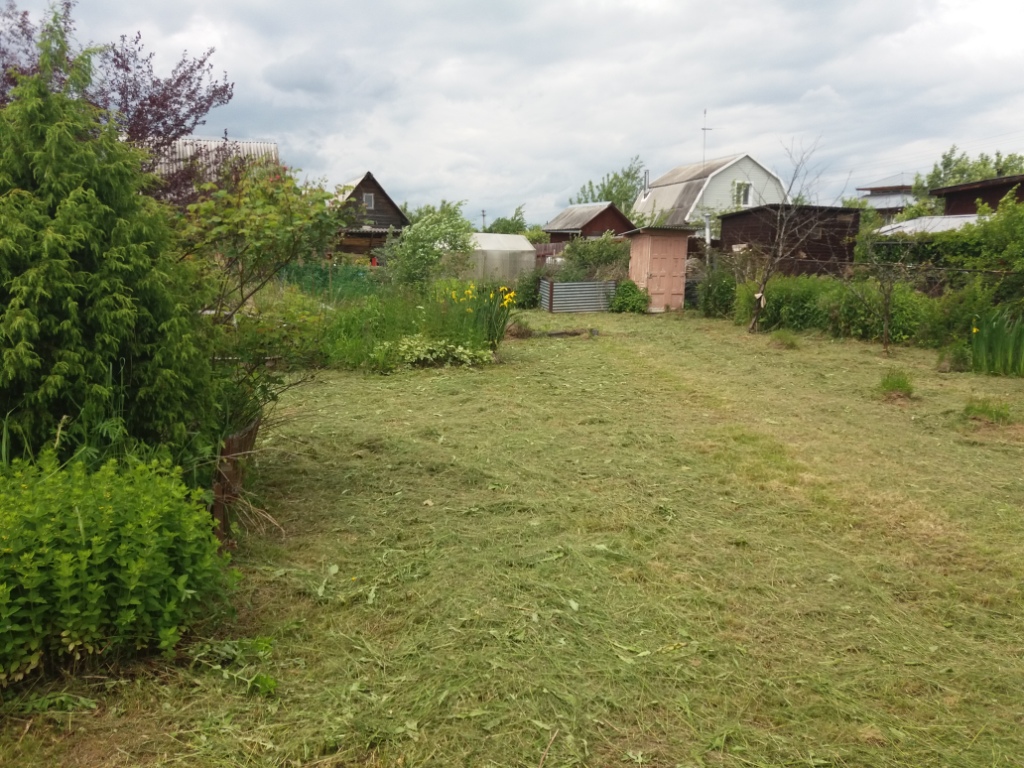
(896, 382)
(785, 339)
(955, 358)
(988, 411)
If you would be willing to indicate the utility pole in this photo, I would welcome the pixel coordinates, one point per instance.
(483, 217)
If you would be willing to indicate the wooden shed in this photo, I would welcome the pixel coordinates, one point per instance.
(657, 262)
(813, 239)
(962, 199)
(587, 220)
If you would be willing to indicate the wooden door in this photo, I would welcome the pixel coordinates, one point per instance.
(668, 273)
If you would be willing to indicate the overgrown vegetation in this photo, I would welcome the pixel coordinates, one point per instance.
(998, 343)
(599, 258)
(896, 382)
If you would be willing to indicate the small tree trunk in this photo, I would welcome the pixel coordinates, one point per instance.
(758, 303)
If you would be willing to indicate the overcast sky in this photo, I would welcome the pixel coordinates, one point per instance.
(500, 103)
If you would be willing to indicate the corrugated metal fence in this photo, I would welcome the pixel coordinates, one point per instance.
(576, 297)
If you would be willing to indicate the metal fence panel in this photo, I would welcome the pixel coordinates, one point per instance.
(576, 297)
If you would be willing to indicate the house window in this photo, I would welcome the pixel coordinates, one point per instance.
(368, 200)
(741, 194)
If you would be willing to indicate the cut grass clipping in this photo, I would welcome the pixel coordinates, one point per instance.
(600, 555)
(986, 410)
(896, 383)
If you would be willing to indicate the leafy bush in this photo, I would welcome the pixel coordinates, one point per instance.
(418, 254)
(528, 287)
(846, 309)
(420, 352)
(100, 564)
(601, 258)
(629, 298)
(998, 343)
(716, 294)
(99, 322)
(896, 383)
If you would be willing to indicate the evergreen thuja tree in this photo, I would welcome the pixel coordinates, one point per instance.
(100, 336)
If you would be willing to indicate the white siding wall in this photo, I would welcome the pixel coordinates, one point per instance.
(765, 188)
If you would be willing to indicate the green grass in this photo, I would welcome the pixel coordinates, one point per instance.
(986, 410)
(667, 544)
(896, 382)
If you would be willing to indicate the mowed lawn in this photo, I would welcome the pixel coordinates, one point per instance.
(669, 544)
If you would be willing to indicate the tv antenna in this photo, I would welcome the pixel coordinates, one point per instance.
(704, 147)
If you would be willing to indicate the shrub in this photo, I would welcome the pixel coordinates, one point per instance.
(99, 322)
(330, 281)
(998, 343)
(896, 383)
(986, 410)
(951, 316)
(601, 258)
(629, 298)
(716, 295)
(100, 564)
(528, 287)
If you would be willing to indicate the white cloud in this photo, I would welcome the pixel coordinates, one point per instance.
(522, 101)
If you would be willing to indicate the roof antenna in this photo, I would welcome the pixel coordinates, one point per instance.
(704, 149)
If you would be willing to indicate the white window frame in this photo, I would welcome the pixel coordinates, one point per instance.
(368, 200)
(741, 193)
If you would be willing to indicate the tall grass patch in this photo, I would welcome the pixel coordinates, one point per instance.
(988, 410)
(998, 344)
(450, 322)
(99, 564)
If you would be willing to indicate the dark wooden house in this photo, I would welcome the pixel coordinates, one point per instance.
(812, 239)
(587, 220)
(961, 199)
(376, 214)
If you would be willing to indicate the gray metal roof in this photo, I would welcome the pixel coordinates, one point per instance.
(694, 171)
(896, 181)
(184, 150)
(927, 224)
(575, 217)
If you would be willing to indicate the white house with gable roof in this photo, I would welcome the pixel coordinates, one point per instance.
(683, 195)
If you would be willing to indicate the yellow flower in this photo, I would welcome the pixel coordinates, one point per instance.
(492, 294)
(453, 294)
(974, 330)
(469, 309)
(503, 289)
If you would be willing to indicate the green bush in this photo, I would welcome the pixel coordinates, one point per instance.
(99, 564)
(600, 258)
(629, 298)
(951, 317)
(845, 309)
(716, 295)
(528, 287)
(99, 321)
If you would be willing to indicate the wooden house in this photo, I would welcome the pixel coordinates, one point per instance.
(683, 195)
(812, 239)
(889, 196)
(963, 199)
(376, 214)
(587, 220)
